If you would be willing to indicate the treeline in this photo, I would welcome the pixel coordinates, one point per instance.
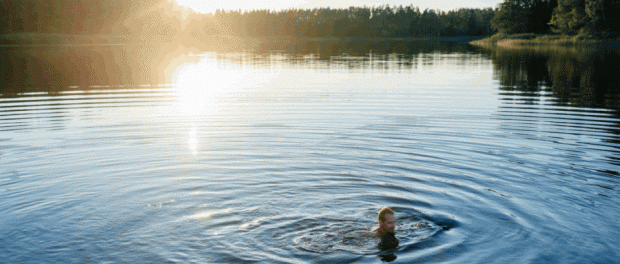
(382, 21)
(63, 16)
(165, 17)
(92, 17)
(596, 18)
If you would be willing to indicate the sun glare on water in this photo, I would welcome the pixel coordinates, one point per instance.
(203, 88)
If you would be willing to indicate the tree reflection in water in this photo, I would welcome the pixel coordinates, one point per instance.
(56, 68)
(581, 78)
(571, 77)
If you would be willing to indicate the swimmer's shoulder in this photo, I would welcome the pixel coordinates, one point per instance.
(372, 233)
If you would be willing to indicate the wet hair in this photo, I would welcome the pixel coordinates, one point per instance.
(383, 212)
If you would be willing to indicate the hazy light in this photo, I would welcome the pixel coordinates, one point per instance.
(205, 87)
(200, 87)
(192, 142)
(209, 6)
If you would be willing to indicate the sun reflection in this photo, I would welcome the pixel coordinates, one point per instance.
(200, 87)
(192, 142)
(203, 88)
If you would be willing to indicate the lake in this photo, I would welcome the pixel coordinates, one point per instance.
(284, 153)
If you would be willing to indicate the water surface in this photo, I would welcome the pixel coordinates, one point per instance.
(285, 154)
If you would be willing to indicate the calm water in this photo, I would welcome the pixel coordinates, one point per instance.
(284, 154)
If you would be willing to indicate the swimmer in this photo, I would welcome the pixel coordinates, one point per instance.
(385, 230)
(387, 222)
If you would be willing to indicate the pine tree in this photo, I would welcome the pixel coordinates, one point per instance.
(603, 18)
(511, 17)
(569, 17)
(587, 17)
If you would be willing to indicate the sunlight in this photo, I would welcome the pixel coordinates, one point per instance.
(206, 87)
(212, 5)
(192, 142)
(203, 88)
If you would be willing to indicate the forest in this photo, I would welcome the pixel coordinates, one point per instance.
(592, 18)
(167, 19)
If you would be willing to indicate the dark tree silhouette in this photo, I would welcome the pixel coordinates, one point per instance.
(166, 18)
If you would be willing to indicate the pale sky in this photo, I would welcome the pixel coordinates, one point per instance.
(209, 6)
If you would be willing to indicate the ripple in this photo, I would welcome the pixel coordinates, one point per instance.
(337, 237)
(296, 173)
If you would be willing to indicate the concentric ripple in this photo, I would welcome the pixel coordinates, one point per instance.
(295, 169)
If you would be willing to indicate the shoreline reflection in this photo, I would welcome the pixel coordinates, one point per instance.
(587, 78)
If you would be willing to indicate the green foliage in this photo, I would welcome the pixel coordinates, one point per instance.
(540, 15)
(80, 16)
(511, 17)
(165, 18)
(382, 21)
(593, 18)
(569, 16)
(604, 20)
(597, 18)
(520, 16)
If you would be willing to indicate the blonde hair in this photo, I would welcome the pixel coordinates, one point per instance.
(383, 212)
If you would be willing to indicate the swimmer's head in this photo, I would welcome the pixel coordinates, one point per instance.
(387, 220)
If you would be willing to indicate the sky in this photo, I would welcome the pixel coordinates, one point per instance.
(209, 6)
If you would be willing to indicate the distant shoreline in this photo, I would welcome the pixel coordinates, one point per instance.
(519, 41)
(20, 39)
(462, 39)
(56, 39)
